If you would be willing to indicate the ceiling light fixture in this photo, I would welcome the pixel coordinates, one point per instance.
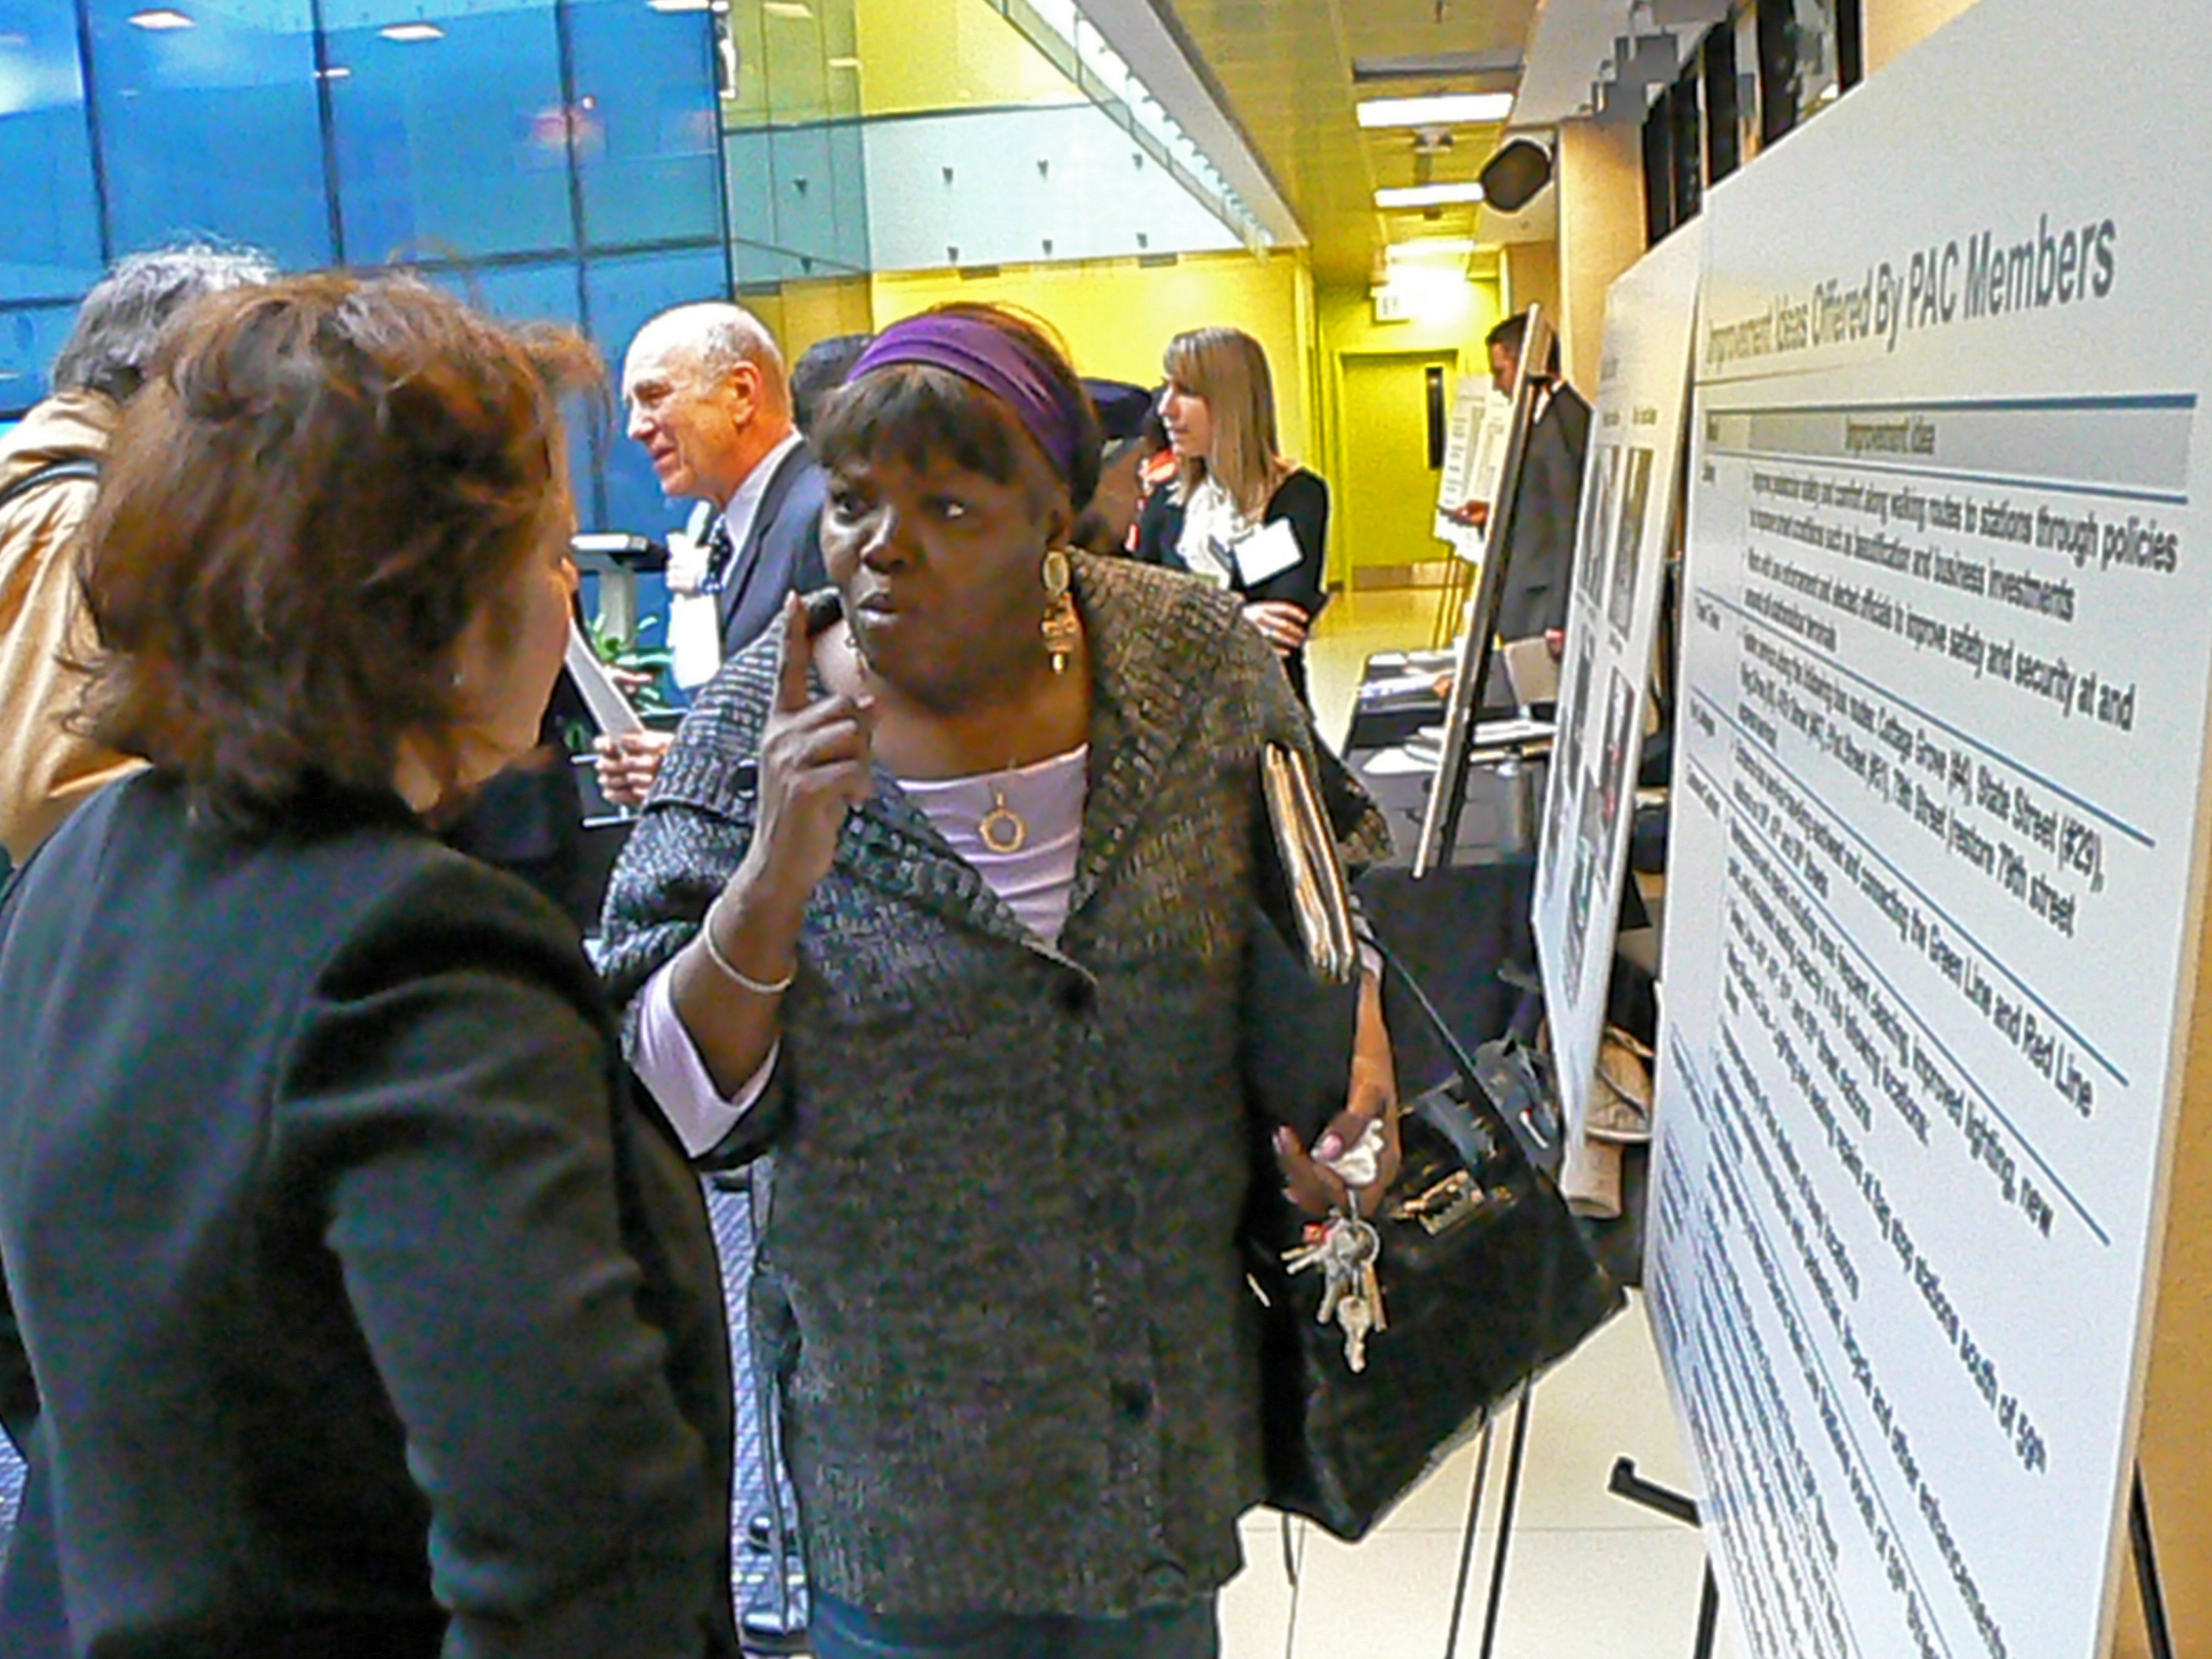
(842, 63)
(1430, 247)
(1442, 109)
(160, 19)
(1428, 196)
(335, 72)
(797, 10)
(410, 34)
(678, 5)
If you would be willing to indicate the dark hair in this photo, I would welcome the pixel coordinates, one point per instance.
(1509, 333)
(323, 482)
(820, 370)
(917, 413)
(1513, 334)
(120, 322)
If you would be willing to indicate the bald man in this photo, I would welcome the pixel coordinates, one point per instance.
(705, 392)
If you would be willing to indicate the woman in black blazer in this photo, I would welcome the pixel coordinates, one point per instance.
(1238, 514)
(349, 1307)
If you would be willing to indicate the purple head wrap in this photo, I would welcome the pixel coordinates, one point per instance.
(999, 363)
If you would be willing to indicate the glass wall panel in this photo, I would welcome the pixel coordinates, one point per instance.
(49, 230)
(645, 88)
(209, 123)
(30, 338)
(452, 136)
(624, 293)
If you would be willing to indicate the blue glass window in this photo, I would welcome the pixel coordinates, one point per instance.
(646, 136)
(50, 231)
(209, 123)
(451, 135)
(30, 339)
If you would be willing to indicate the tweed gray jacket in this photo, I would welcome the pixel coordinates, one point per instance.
(999, 1286)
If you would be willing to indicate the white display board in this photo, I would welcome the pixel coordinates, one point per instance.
(1621, 539)
(1474, 456)
(1935, 866)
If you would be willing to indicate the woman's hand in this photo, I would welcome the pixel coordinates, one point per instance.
(1371, 1098)
(814, 768)
(1281, 623)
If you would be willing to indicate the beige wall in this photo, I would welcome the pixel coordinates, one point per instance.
(1895, 27)
(1530, 276)
(1601, 185)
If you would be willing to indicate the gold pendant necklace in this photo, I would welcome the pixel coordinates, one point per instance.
(1003, 829)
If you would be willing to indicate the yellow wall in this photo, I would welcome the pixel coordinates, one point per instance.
(799, 313)
(1455, 319)
(1116, 316)
(1895, 27)
(923, 55)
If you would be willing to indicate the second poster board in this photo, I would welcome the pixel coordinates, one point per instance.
(1630, 488)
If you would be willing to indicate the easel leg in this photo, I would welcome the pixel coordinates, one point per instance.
(1709, 1617)
(1466, 1539)
(2147, 1580)
(1512, 1498)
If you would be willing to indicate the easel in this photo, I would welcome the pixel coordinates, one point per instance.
(1625, 1482)
(1447, 794)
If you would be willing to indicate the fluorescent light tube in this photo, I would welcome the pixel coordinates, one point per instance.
(1427, 196)
(1443, 109)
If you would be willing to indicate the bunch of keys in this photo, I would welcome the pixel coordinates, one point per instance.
(1345, 1247)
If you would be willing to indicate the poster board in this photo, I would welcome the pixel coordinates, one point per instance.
(1474, 460)
(1937, 872)
(1622, 537)
(1471, 666)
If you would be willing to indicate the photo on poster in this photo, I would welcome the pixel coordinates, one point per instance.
(1590, 851)
(1617, 771)
(1564, 770)
(1628, 540)
(1591, 534)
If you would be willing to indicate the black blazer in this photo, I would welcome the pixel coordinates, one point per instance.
(367, 1318)
(1540, 541)
(1303, 499)
(782, 554)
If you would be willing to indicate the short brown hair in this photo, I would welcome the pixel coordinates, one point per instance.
(916, 412)
(1227, 368)
(322, 482)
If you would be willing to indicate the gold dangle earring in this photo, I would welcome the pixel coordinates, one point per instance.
(1062, 631)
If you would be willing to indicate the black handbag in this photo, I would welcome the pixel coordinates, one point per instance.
(1485, 1278)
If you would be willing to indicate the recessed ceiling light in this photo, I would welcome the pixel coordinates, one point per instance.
(410, 33)
(1426, 195)
(797, 10)
(843, 62)
(159, 18)
(676, 5)
(1431, 247)
(336, 72)
(1443, 109)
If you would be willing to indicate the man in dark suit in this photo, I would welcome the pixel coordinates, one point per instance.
(1539, 542)
(706, 394)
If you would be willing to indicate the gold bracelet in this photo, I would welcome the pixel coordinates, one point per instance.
(730, 970)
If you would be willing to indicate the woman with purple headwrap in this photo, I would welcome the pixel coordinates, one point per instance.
(942, 898)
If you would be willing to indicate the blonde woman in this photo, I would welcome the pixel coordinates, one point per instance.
(1239, 513)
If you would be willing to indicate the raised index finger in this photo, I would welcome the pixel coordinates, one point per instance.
(792, 693)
